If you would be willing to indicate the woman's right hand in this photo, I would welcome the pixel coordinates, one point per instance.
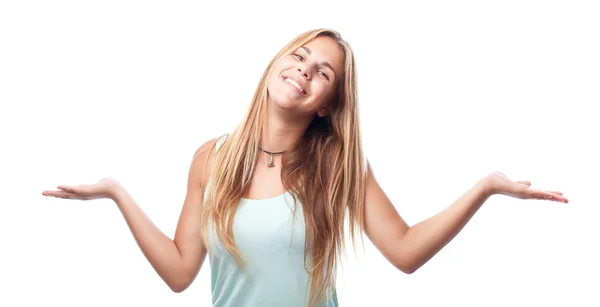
(105, 188)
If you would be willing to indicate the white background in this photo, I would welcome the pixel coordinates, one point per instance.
(449, 91)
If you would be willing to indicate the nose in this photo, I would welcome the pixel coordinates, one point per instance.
(305, 71)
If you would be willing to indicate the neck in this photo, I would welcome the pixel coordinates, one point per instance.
(281, 130)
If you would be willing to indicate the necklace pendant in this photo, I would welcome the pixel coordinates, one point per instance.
(271, 162)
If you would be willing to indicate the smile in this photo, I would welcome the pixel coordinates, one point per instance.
(295, 84)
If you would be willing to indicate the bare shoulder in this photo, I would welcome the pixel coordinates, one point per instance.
(202, 163)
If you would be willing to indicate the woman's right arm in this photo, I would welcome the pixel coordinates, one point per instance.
(176, 261)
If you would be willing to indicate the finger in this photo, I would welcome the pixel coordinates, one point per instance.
(61, 194)
(70, 189)
(524, 182)
(65, 188)
(52, 193)
(547, 195)
(554, 194)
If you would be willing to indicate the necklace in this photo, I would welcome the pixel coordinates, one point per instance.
(271, 153)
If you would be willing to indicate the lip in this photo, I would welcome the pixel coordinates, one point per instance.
(283, 78)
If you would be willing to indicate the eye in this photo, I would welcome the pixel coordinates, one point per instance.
(321, 73)
(299, 57)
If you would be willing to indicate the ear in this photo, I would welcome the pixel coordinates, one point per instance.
(323, 112)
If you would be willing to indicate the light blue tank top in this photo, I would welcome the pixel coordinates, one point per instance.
(271, 240)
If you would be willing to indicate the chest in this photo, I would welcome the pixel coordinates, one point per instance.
(269, 230)
(266, 181)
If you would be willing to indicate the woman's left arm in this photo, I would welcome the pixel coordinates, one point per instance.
(408, 248)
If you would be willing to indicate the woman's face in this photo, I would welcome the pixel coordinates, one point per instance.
(305, 80)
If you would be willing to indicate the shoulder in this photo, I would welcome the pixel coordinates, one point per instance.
(203, 160)
(208, 148)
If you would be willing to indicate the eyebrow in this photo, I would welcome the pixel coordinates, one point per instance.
(324, 63)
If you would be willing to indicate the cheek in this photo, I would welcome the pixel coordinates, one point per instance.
(276, 73)
(272, 80)
(281, 66)
(323, 89)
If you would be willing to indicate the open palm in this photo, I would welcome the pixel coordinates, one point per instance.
(102, 189)
(500, 184)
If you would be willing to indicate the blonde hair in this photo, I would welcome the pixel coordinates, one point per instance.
(325, 171)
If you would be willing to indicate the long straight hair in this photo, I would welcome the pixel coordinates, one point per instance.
(325, 170)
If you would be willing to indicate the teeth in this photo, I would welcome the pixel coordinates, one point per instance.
(294, 83)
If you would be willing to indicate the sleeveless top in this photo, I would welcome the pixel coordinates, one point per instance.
(271, 241)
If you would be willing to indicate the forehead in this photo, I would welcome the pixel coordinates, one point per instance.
(326, 49)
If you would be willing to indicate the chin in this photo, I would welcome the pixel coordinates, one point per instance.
(284, 103)
(283, 99)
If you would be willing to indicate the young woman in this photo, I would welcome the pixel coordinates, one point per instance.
(268, 201)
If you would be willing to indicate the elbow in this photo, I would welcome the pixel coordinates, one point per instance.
(178, 284)
(178, 287)
(180, 278)
(408, 270)
(406, 267)
(407, 262)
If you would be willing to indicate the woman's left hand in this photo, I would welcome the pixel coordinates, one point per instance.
(498, 183)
